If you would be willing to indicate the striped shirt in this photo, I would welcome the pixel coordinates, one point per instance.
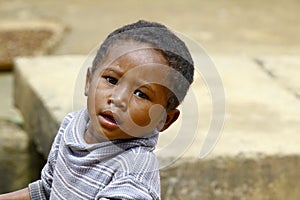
(118, 169)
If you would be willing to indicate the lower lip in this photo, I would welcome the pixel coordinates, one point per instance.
(107, 123)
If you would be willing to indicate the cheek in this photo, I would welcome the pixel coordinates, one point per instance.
(139, 113)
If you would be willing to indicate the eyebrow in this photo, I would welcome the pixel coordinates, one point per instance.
(147, 86)
(112, 70)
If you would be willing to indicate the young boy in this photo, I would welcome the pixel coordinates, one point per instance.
(139, 76)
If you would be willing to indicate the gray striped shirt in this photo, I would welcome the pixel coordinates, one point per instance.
(119, 169)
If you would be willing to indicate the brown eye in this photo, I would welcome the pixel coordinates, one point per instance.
(111, 80)
(141, 94)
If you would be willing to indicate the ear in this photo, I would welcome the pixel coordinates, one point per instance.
(171, 117)
(88, 81)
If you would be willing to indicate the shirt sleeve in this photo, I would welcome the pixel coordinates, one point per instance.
(128, 188)
(40, 189)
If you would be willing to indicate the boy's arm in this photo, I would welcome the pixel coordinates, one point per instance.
(17, 195)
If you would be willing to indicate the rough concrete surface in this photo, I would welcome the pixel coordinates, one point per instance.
(42, 109)
(284, 69)
(8, 111)
(229, 178)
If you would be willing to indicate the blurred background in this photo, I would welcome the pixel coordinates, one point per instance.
(230, 26)
(223, 27)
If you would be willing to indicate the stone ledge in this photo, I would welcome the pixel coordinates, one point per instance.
(43, 95)
(259, 140)
(226, 178)
(284, 69)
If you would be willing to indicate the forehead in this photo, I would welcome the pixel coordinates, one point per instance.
(129, 54)
(137, 51)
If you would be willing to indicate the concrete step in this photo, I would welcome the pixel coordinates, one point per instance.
(255, 156)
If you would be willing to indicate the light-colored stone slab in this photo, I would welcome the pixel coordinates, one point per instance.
(261, 116)
(7, 109)
(44, 89)
(284, 69)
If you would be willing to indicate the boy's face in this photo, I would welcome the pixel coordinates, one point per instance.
(124, 99)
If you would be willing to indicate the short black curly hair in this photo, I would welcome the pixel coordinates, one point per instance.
(161, 38)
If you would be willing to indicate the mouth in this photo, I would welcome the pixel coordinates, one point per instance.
(108, 119)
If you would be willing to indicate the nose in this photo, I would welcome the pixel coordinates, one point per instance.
(119, 98)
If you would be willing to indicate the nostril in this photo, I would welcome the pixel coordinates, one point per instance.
(110, 101)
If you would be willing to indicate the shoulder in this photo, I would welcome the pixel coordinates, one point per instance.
(68, 121)
(71, 117)
(136, 156)
(139, 164)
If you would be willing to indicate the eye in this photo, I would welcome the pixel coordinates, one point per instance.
(111, 80)
(141, 94)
